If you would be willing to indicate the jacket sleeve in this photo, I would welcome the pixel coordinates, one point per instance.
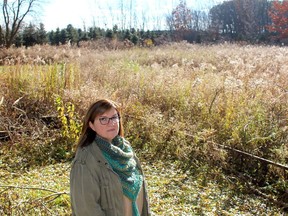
(84, 191)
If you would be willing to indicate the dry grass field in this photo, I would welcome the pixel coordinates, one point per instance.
(186, 108)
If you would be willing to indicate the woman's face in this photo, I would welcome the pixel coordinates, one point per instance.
(106, 125)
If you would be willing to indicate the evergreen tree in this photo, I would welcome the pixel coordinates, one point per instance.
(63, 36)
(57, 37)
(148, 34)
(127, 35)
(51, 37)
(41, 35)
(72, 34)
(134, 39)
(29, 35)
(83, 35)
(19, 40)
(142, 33)
(92, 33)
(115, 31)
(133, 31)
(109, 34)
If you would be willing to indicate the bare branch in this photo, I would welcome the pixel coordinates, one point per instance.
(255, 157)
(282, 166)
(33, 188)
(14, 14)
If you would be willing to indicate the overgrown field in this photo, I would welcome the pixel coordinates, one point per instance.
(190, 112)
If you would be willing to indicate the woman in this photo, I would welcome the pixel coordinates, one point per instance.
(106, 177)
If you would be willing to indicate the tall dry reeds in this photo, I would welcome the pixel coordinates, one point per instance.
(179, 101)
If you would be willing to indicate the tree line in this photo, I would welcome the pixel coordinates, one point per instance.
(33, 34)
(254, 21)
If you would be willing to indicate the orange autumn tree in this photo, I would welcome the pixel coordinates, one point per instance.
(279, 16)
(182, 17)
(181, 21)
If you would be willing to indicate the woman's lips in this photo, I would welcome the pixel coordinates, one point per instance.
(111, 130)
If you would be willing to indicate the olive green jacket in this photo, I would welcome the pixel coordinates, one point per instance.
(95, 189)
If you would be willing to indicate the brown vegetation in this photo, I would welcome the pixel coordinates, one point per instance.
(180, 102)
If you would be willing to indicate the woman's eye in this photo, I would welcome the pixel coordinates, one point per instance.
(103, 119)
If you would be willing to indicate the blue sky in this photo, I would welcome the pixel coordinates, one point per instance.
(106, 13)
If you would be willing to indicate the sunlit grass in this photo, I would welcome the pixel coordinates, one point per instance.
(171, 192)
(180, 102)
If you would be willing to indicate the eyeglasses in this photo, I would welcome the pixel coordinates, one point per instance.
(106, 120)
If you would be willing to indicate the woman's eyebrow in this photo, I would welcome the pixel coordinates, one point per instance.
(109, 117)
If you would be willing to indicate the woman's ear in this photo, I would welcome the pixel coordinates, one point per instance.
(91, 126)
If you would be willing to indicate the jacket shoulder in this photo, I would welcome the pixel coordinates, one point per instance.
(84, 154)
(90, 154)
(81, 155)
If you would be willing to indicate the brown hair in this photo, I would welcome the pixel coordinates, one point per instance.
(99, 107)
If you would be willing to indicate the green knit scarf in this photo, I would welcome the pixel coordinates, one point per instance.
(120, 156)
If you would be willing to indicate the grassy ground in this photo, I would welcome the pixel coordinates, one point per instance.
(205, 191)
(180, 102)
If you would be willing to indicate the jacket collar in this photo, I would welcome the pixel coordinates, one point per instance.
(98, 156)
